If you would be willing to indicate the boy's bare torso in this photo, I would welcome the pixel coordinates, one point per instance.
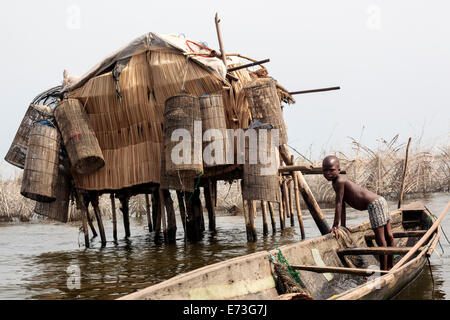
(354, 195)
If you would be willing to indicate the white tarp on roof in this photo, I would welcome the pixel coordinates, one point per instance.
(147, 42)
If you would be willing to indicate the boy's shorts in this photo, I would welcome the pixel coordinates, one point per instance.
(378, 212)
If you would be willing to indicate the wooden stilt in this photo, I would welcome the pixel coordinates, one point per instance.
(156, 213)
(81, 206)
(98, 216)
(252, 215)
(264, 217)
(114, 218)
(171, 221)
(272, 217)
(307, 195)
(88, 215)
(193, 223)
(149, 217)
(180, 197)
(285, 192)
(291, 201)
(124, 199)
(210, 205)
(162, 207)
(297, 205)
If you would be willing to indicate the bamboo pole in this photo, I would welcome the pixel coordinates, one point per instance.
(402, 188)
(314, 90)
(114, 217)
(307, 195)
(219, 36)
(284, 190)
(98, 216)
(149, 216)
(422, 240)
(264, 217)
(355, 271)
(297, 204)
(291, 200)
(272, 217)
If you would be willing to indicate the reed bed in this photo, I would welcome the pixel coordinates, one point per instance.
(13, 206)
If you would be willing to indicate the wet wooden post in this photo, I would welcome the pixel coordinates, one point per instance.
(280, 208)
(264, 217)
(81, 206)
(162, 208)
(291, 200)
(193, 223)
(297, 205)
(171, 220)
(149, 216)
(285, 191)
(252, 215)
(124, 200)
(181, 206)
(307, 195)
(272, 217)
(210, 205)
(156, 213)
(98, 216)
(86, 202)
(114, 217)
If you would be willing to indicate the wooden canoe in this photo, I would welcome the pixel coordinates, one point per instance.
(329, 268)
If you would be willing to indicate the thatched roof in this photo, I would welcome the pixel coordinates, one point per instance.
(124, 97)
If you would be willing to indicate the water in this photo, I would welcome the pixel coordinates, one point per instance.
(37, 260)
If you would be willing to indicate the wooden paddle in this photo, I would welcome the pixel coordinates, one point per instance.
(422, 240)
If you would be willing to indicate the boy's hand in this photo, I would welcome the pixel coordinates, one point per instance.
(335, 231)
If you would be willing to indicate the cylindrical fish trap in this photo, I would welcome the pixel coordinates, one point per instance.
(79, 138)
(261, 179)
(266, 106)
(18, 150)
(59, 209)
(214, 128)
(40, 175)
(182, 123)
(177, 182)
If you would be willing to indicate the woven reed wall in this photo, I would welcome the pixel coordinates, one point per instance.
(40, 174)
(59, 209)
(265, 105)
(18, 149)
(79, 138)
(257, 186)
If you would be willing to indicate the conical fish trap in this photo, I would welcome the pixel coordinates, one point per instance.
(79, 138)
(40, 175)
(18, 150)
(261, 179)
(265, 105)
(181, 116)
(213, 124)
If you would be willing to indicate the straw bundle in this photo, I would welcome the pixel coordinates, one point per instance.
(181, 112)
(18, 150)
(41, 164)
(58, 209)
(79, 138)
(266, 105)
(257, 184)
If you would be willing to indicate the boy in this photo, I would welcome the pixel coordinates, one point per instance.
(360, 199)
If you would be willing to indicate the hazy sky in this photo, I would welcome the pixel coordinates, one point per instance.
(391, 58)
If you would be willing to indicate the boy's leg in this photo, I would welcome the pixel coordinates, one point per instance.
(381, 242)
(390, 243)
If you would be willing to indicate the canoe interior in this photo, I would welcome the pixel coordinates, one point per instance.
(252, 276)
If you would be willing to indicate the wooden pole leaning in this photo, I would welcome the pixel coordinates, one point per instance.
(402, 188)
(98, 216)
(297, 201)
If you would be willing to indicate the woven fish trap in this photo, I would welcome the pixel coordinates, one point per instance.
(265, 105)
(214, 123)
(18, 149)
(79, 138)
(261, 179)
(40, 174)
(59, 209)
(181, 112)
(175, 182)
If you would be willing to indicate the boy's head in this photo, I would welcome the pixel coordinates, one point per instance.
(330, 167)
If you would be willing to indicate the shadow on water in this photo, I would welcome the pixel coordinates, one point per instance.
(41, 261)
